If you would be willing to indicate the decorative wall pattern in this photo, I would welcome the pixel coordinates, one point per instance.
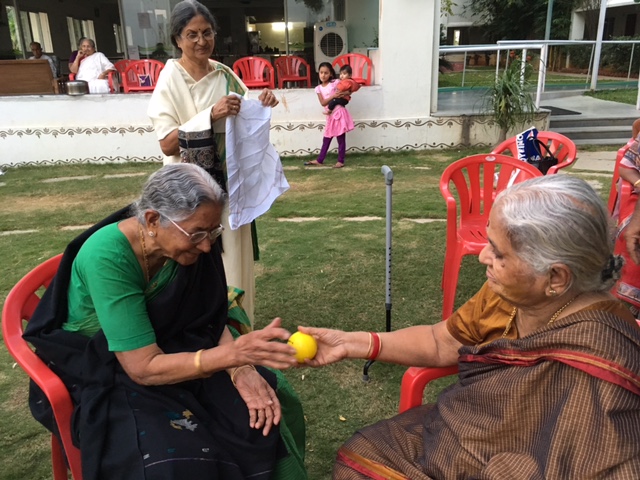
(44, 146)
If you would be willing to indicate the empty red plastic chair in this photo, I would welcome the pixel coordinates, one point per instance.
(141, 76)
(477, 180)
(559, 146)
(255, 72)
(361, 66)
(18, 307)
(291, 68)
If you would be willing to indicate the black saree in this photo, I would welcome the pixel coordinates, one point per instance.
(194, 429)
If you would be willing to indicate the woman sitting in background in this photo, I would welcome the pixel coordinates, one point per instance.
(549, 384)
(92, 67)
(135, 323)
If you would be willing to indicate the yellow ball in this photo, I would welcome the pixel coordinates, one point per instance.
(305, 345)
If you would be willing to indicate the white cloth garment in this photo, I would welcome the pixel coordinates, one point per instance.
(254, 171)
(89, 70)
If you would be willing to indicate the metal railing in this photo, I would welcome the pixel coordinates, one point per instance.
(544, 47)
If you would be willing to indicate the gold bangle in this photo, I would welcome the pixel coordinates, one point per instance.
(235, 370)
(636, 183)
(197, 361)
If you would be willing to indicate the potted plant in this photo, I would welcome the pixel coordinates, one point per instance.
(508, 100)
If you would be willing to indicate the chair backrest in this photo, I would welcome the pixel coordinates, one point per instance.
(560, 146)
(361, 65)
(19, 307)
(255, 72)
(625, 187)
(288, 69)
(141, 75)
(478, 179)
(121, 65)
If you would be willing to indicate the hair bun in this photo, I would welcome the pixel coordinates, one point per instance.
(613, 267)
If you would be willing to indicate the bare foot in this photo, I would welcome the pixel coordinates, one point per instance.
(338, 165)
(313, 162)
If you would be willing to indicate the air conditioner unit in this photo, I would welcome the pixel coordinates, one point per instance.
(330, 40)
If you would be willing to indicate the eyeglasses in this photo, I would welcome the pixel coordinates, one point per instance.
(195, 37)
(197, 237)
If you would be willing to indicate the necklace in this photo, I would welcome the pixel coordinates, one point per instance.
(144, 253)
(553, 318)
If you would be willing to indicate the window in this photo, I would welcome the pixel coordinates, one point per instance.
(80, 28)
(117, 33)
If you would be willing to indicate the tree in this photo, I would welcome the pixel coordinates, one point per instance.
(523, 19)
(508, 100)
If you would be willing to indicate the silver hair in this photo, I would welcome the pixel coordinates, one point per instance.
(182, 14)
(176, 191)
(561, 219)
(86, 39)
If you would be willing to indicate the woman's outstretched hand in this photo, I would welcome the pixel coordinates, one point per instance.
(227, 105)
(261, 347)
(332, 345)
(267, 98)
(261, 399)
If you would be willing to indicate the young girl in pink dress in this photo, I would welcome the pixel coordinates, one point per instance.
(339, 122)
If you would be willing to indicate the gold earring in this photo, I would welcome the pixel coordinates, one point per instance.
(552, 292)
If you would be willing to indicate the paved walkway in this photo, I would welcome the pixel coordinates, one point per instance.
(595, 161)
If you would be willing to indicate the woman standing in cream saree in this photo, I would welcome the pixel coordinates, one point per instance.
(188, 109)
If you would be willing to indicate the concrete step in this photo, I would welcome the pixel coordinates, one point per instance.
(574, 121)
(594, 132)
(600, 141)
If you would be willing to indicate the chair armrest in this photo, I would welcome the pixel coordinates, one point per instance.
(414, 381)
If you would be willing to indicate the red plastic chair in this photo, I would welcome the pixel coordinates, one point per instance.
(255, 72)
(141, 75)
(288, 70)
(477, 180)
(560, 146)
(415, 380)
(361, 65)
(619, 195)
(18, 307)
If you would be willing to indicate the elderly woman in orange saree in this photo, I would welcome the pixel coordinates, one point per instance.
(548, 358)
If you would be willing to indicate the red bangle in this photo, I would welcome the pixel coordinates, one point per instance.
(377, 343)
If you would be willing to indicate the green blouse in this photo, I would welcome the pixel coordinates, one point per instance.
(108, 291)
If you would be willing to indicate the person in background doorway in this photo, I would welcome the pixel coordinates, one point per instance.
(36, 49)
(73, 67)
(93, 67)
(339, 122)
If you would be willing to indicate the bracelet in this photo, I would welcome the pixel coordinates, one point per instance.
(370, 345)
(377, 346)
(235, 370)
(636, 183)
(197, 361)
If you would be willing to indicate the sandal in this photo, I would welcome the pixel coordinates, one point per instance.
(312, 162)
(338, 165)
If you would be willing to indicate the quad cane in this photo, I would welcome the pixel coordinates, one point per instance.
(388, 178)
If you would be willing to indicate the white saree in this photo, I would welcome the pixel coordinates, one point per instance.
(176, 99)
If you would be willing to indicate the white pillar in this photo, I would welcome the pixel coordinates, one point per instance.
(598, 51)
(408, 56)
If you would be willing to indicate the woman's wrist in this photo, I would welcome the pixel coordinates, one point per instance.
(239, 371)
(636, 183)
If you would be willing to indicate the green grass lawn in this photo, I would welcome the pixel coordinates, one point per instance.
(626, 95)
(329, 272)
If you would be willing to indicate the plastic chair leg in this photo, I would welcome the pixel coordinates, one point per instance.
(450, 274)
(58, 463)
